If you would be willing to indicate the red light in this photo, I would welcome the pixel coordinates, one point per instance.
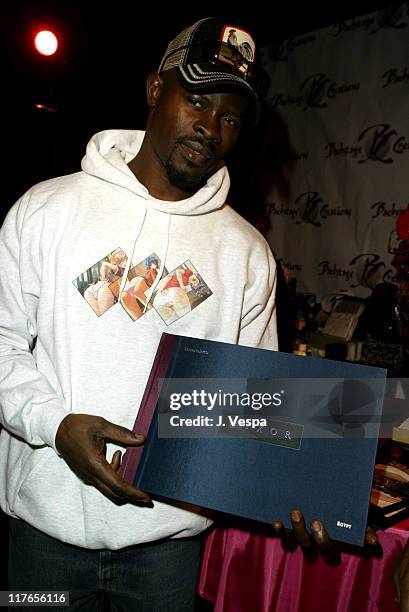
(46, 42)
(45, 107)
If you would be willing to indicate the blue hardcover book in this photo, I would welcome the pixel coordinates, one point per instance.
(255, 433)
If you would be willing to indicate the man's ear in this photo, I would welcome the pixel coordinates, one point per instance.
(154, 86)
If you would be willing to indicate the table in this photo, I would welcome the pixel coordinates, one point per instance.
(244, 571)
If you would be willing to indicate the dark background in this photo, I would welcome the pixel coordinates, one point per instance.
(96, 80)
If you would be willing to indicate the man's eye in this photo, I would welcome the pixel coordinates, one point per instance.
(232, 122)
(195, 103)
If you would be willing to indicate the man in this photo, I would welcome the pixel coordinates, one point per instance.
(71, 381)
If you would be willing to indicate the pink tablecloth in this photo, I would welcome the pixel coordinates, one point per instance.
(248, 572)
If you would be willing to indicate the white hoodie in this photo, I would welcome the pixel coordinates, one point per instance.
(57, 355)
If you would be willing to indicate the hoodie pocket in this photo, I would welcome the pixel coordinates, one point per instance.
(30, 473)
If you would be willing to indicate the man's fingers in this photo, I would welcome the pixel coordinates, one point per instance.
(81, 440)
(319, 534)
(107, 477)
(327, 547)
(122, 492)
(121, 435)
(297, 536)
(116, 460)
(300, 530)
(118, 499)
(288, 540)
(311, 543)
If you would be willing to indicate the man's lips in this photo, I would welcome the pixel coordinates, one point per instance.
(195, 152)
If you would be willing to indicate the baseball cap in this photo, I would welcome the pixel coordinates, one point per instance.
(211, 55)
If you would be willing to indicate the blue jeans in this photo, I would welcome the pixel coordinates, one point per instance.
(156, 577)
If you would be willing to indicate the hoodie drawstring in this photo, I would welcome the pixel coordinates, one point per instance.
(130, 259)
(162, 266)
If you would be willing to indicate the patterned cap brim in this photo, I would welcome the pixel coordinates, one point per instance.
(195, 77)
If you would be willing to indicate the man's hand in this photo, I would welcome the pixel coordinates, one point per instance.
(318, 540)
(81, 441)
(401, 579)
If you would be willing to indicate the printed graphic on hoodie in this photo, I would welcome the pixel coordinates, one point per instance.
(135, 295)
(179, 292)
(99, 285)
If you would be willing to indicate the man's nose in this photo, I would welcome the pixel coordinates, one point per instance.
(208, 125)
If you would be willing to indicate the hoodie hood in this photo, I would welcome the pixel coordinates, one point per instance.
(108, 154)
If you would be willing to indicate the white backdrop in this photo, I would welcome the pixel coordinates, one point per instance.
(341, 94)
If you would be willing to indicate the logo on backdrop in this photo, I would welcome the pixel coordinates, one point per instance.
(339, 149)
(316, 91)
(383, 209)
(377, 143)
(394, 76)
(370, 269)
(309, 208)
(382, 143)
(280, 51)
(351, 25)
(391, 18)
(365, 270)
(327, 268)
